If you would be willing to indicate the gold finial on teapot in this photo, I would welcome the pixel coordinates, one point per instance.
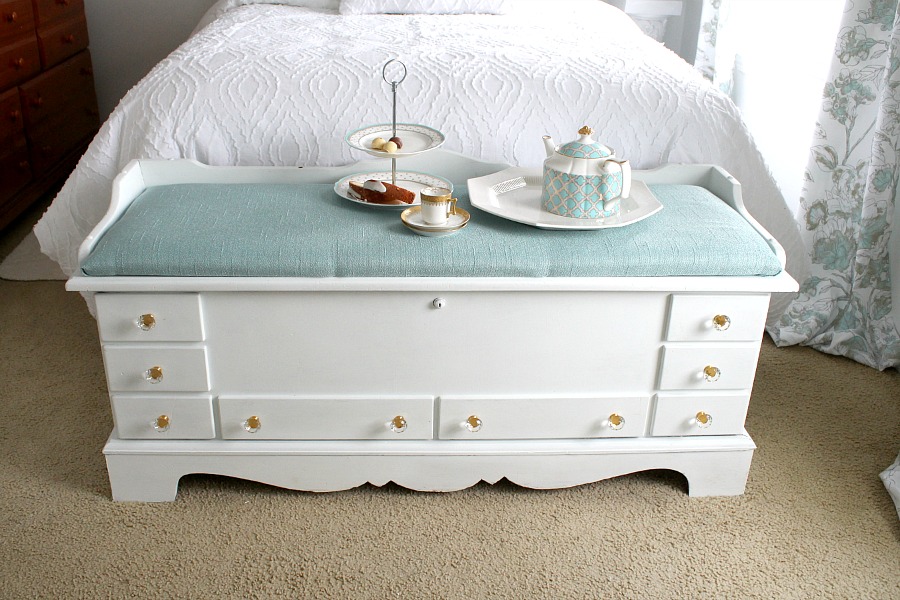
(585, 131)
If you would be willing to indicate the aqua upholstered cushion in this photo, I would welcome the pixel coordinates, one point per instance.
(281, 230)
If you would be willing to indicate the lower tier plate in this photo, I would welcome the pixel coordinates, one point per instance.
(410, 180)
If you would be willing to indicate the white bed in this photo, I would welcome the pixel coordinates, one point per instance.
(263, 83)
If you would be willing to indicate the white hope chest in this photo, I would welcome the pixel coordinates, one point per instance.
(435, 383)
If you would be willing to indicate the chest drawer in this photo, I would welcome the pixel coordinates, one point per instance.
(720, 318)
(163, 417)
(149, 317)
(19, 61)
(358, 418)
(708, 367)
(51, 10)
(16, 19)
(70, 86)
(155, 368)
(59, 41)
(468, 418)
(700, 414)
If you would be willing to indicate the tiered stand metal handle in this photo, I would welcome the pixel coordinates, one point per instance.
(394, 84)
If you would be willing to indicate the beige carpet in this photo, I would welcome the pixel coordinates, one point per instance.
(815, 522)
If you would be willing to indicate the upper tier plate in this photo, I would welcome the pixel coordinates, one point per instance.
(416, 139)
(515, 194)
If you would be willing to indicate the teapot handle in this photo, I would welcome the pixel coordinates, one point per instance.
(625, 166)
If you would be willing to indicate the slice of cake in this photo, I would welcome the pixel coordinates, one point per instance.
(382, 192)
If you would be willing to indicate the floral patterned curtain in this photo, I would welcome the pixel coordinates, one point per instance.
(850, 194)
(715, 54)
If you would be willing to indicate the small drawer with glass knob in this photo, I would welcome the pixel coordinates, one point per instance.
(485, 417)
(678, 414)
(156, 368)
(149, 317)
(708, 367)
(716, 318)
(163, 416)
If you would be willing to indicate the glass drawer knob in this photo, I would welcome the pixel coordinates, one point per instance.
(703, 420)
(154, 374)
(711, 373)
(615, 422)
(721, 322)
(146, 322)
(473, 424)
(161, 423)
(397, 424)
(252, 424)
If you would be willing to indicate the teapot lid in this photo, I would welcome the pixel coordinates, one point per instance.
(585, 146)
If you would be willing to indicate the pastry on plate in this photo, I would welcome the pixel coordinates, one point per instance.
(382, 192)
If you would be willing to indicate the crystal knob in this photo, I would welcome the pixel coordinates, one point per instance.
(252, 424)
(711, 373)
(146, 322)
(154, 374)
(703, 420)
(160, 423)
(615, 422)
(397, 424)
(473, 424)
(721, 322)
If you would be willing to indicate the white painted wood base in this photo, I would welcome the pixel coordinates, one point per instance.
(149, 471)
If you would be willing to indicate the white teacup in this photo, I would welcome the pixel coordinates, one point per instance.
(437, 205)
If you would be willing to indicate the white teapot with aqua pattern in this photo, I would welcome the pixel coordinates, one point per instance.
(583, 179)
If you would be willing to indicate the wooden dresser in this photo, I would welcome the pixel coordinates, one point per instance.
(48, 106)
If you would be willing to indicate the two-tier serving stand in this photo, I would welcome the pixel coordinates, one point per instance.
(416, 139)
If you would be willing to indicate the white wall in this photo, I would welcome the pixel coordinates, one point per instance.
(128, 37)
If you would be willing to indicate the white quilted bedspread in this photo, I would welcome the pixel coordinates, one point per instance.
(267, 84)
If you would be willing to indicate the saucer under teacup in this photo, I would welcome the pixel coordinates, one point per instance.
(412, 218)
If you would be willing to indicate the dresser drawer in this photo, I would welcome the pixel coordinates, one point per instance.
(15, 170)
(708, 367)
(155, 368)
(700, 414)
(70, 86)
(18, 62)
(61, 40)
(51, 10)
(59, 135)
(11, 118)
(16, 20)
(163, 417)
(149, 317)
(472, 417)
(356, 418)
(720, 318)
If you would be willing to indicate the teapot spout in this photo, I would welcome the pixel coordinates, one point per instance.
(549, 145)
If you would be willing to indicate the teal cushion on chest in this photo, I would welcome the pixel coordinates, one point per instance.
(282, 230)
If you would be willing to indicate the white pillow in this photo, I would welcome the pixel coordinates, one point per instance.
(222, 6)
(423, 7)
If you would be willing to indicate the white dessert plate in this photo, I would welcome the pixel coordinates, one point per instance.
(412, 181)
(515, 194)
(412, 218)
(416, 139)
